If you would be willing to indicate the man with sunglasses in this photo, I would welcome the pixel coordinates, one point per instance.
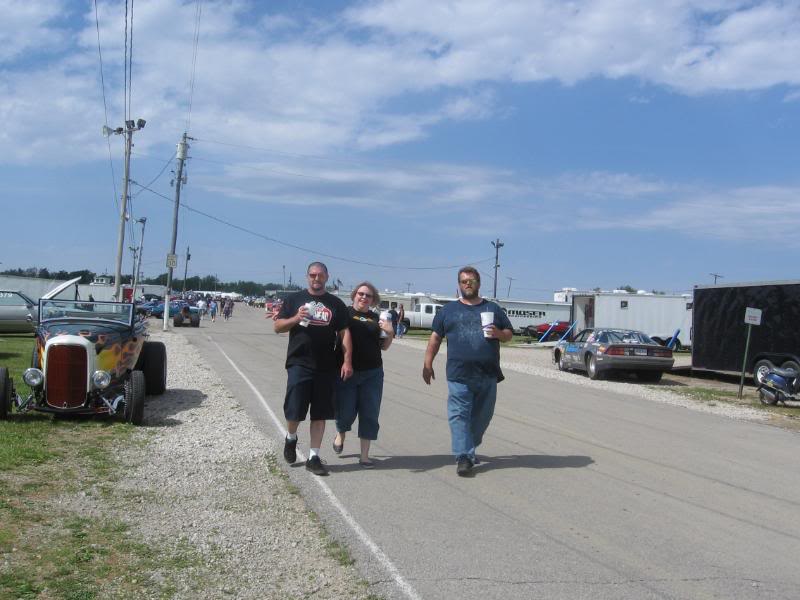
(314, 319)
(473, 365)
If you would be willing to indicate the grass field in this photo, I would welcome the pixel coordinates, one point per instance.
(49, 547)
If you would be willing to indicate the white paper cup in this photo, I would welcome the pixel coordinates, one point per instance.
(309, 308)
(385, 316)
(487, 318)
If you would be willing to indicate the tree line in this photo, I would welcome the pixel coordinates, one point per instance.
(207, 282)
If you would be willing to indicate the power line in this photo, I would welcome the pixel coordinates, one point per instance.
(197, 15)
(309, 250)
(160, 173)
(105, 106)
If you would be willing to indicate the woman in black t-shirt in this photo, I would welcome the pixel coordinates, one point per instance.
(361, 394)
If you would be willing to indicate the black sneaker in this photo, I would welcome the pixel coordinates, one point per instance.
(314, 464)
(464, 467)
(290, 450)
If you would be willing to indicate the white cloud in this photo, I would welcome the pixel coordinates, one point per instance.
(306, 84)
(25, 27)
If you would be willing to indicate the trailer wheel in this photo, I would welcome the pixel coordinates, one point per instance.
(790, 364)
(761, 370)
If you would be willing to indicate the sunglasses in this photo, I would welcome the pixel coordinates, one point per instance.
(364, 294)
(316, 275)
(468, 281)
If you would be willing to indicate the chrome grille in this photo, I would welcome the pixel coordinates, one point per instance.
(66, 376)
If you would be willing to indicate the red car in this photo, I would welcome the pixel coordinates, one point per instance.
(538, 331)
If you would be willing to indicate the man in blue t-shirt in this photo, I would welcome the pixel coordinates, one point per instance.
(473, 364)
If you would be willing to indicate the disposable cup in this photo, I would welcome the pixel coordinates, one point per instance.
(487, 318)
(385, 316)
(309, 308)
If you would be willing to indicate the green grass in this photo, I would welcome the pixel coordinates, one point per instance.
(61, 552)
(15, 354)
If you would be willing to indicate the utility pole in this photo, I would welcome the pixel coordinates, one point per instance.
(715, 276)
(182, 148)
(127, 131)
(138, 268)
(408, 287)
(284, 277)
(497, 245)
(186, 268)
(510, 279)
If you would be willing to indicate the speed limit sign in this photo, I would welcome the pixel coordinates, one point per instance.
(172, 261)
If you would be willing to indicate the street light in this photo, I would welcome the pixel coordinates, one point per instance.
(127, 131)
(497, 245)
(138, 269)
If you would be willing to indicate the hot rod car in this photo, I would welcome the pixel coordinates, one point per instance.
(89, 358)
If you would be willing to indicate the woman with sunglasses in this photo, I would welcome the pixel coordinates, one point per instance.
(360, 395)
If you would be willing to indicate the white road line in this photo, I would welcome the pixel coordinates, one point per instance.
(384, 560)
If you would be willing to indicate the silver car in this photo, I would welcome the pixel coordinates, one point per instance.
(599, 351)
(17, 313)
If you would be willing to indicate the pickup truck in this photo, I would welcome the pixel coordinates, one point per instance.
(420, 316)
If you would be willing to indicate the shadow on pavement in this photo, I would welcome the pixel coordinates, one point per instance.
(159, 411)
(422, 464)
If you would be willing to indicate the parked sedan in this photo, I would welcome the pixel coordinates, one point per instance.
(600, 351)
(17, 313)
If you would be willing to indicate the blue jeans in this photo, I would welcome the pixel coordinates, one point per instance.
(470, 406)
(360, 395)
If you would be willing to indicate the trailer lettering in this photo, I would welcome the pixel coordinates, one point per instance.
(529, 314)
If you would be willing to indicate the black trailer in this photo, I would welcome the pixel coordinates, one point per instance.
(720, 332)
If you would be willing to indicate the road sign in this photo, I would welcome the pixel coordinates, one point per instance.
(752, 316)
(172, 261)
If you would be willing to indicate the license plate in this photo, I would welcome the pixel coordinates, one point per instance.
(640, 351)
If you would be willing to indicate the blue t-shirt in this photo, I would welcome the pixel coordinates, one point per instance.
(469, 354)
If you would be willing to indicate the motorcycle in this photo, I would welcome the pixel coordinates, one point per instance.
(778, 385)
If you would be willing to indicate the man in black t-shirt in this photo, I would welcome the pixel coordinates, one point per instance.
(316, 321)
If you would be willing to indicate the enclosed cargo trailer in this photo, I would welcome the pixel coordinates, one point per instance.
(720, 332)
(657, 315)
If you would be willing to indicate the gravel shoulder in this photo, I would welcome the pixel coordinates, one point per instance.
(204, 483)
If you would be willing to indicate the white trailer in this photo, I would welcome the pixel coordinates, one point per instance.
(525, 314)
(657, 315)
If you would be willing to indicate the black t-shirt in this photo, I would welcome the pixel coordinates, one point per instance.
(366, 335)
(314, 346)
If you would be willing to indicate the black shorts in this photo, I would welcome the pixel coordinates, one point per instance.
(305, 388)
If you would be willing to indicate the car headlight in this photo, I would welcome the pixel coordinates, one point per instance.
(33, 377)
(101, 379)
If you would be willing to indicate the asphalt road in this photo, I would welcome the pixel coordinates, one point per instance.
(582, 493)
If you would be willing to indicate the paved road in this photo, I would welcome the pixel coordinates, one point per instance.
(582, 493)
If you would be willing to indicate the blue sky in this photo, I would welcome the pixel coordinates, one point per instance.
(605, 142)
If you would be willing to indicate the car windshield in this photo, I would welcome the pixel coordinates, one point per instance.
(628, 337)
(50, 310)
